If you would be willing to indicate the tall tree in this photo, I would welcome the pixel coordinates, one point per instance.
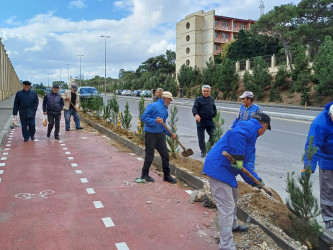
(227, 82)
(279, 23)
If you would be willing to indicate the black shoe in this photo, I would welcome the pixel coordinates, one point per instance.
(67, 129)
(168, 178)
(147, 178)
(240, 229)
(48, 135)
(203, 154)
(32, 138)
(79, 128)
(57, 137)
(26, 139)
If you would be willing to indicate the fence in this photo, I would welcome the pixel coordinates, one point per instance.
(9, 81)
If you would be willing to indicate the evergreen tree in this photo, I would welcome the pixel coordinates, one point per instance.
(126, 117)
(142, 125)
(228, 78)
(114, 109)
(323, 66)
(173, 145)
(218, 131)
(304, 205)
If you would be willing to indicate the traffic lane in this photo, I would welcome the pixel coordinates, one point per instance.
(67, 217)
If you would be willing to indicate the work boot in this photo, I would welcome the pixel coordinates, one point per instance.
(168, 178)
(203, 154)
(57, 137)
(240, 229)
(147, 178)
(32, 138)
(79, 128)
(48, 135)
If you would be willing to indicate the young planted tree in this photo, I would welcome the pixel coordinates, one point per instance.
(142, 125)
(173, 145)
(126, 117)
(114, 109)
(304, 205)
(218, 132)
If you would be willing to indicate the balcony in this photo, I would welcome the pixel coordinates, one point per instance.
(222, 27)
(217, 52)
(221, 40)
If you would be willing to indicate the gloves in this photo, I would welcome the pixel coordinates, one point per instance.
(259, 186)
(303, 174)
(238, 165)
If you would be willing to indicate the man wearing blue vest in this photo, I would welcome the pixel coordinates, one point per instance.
(239, 142)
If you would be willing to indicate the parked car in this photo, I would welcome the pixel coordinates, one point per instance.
(126, 92)
(118, 91)
(136, 93)
(145, 93)
(87, 92)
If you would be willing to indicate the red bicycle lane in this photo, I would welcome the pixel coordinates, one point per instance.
(79, 193)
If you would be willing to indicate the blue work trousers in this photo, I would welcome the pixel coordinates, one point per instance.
(71, 112)
(28, 127)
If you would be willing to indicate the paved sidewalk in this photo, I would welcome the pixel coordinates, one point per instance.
(6, 110)
(79, 193)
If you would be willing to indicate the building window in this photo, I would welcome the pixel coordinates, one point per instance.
(216, 47)
(242, 26)
(225, 23)
(225, 35)
(216, 35)
(187, 25)
(187, 50)
(187, 62)
(235, 25)
(187, 38)
(216, 23)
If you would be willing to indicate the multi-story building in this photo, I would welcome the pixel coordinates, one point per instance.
(200, 36)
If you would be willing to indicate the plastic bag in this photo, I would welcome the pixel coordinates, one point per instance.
(44, 121)
(15, 122)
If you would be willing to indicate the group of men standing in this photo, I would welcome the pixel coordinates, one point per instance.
(26, 104)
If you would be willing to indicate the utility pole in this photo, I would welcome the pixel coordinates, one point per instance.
(262, 7)
(105, 65)
(68, 74)
(80, 69)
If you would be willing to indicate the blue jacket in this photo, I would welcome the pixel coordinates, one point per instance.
(238, 142)
(322, 131)
(53, 103)
(154, 110)
(246, 113)
(205, 108)
(26, 103)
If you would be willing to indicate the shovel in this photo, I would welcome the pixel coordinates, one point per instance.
(186, 152)
(244, 170)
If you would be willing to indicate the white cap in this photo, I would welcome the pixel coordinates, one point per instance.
(248, 94)
(167, 94)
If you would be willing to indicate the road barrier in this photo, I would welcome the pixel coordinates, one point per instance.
(9, 81)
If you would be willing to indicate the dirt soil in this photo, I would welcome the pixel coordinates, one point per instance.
(270, 211)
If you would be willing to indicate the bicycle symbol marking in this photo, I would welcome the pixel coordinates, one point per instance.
(28, 196)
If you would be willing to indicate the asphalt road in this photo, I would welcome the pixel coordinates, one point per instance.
(279, 151)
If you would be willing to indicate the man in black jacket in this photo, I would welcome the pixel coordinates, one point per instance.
(204, 110)
(26, 103)
(52, 106)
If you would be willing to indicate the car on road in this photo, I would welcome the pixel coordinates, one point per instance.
(145, 93)
(118, 91)
(88, 92)
(136, 93)
(126, 92)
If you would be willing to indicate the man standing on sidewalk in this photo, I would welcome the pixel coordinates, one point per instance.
(204, 110)
(71, 105)
(158, 95)
(155, 114)
(26, 103)
(52, 106)
(321, 130)
(239, 142)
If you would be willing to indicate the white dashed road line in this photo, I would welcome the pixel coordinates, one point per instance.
(98, 204)
(2, 164)
(122, 246)
(84, 180)
(78, 171)
(108, 222)
(90, 191)
(74, 165)
(67, 153)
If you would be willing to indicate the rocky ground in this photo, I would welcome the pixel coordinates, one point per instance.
(269, 211)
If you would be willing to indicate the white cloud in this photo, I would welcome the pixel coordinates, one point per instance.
(77, 4)
(11, 21)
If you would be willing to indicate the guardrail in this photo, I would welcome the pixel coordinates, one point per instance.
(9, 81)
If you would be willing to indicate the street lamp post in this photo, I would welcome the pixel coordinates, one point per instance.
(105, 65)
(68, 74)
(80, 68)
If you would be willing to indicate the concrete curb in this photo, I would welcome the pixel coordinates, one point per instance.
(193, 181)
(4, 132)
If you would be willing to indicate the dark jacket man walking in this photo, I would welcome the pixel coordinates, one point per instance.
(26, 103)
(204, 110)
(52, 106)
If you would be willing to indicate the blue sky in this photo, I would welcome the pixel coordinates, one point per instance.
(42, 37)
